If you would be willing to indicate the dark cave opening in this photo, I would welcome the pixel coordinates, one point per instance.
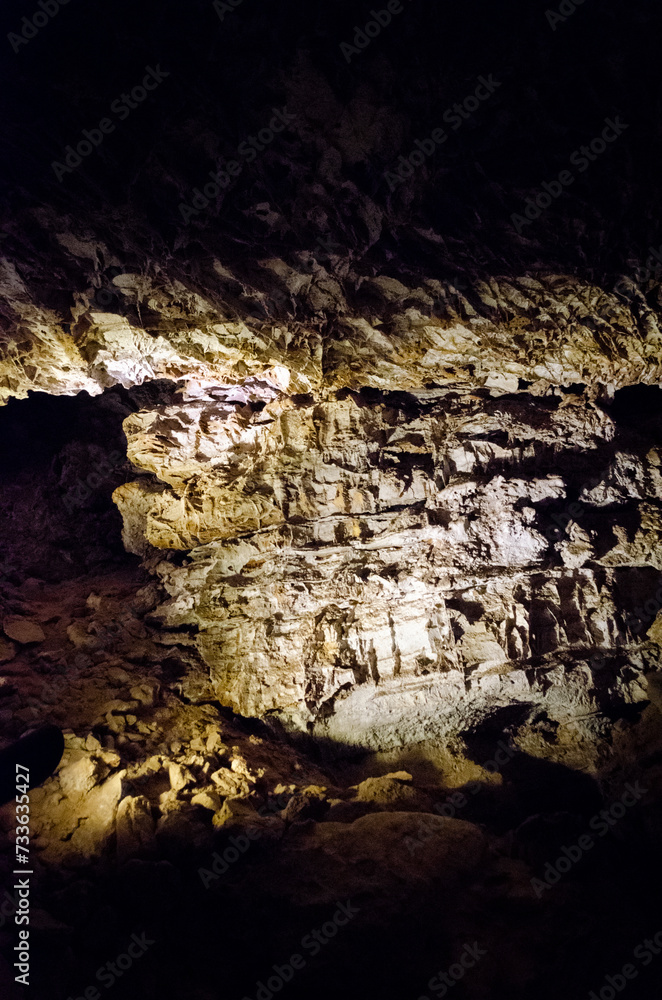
(639, 409)
(61, 457)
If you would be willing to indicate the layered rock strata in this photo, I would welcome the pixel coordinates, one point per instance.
(384, 567)
(382, 523)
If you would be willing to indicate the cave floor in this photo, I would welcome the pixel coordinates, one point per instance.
(207, 834)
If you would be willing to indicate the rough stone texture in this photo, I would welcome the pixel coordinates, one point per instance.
(380, 462)
(548, 329)
(386, 566)
(389, 532)
(22, 630)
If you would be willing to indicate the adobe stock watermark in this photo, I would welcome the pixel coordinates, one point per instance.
(248, 149)
(601, 824)
(122, 106)
(565, 10)
(380, 19)
(644, 952)
(312, 943)
(580, 158)
(223, 7)
(443, 980)
(83, 489)
(458, 800)
(454, 116)
(637, 619)
(241, 843)
(30, 26)
(573, 512)
(651, 269)
(110, 972)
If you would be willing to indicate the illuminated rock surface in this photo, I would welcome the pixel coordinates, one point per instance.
(331, 510)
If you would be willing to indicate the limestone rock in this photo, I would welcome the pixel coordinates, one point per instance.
(229, 783)
(146, 693)
(207, 800)
(82, 775)
(22, 630)
(180, 777)
(307, 804)
(393, 792)
(415, 563)
(237, 814)
(134, 827)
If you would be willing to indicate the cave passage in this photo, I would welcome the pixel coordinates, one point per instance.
(61, 457)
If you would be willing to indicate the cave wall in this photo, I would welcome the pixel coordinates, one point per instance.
(384, 567)
(380, 529)
(382, 392)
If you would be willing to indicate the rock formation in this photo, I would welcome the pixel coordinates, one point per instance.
(331, 501)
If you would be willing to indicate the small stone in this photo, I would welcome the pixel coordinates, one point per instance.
(135, 827)
(146, 692)
(72, 741)
(82, 775)
(169, 802)
(215, 743)
(283, 789)
(239, 814)
(208, 800)
(117, 675)
(23, 630)
(392, 791)
(120, 706)
(229, 784)
(116, 723)
(180, 777)
(79, 637)
(302, 806)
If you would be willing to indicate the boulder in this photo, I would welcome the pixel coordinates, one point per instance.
(374, 857)
(135, 827)
(22, 630)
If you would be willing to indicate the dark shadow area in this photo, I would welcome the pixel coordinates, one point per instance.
(61, 457)
(531, 785)
(250, 910)
(323, 185)
(638, 409)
